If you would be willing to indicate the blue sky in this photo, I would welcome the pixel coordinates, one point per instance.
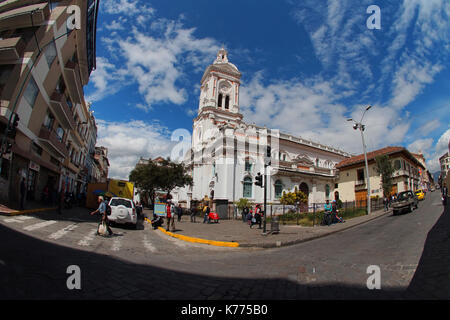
(306, 67)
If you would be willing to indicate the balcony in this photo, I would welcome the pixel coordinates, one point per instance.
(72, 72)
(78, 137)
(72, 167)
(19, 17)
(51, 140)
(11, 49)
(62, 110)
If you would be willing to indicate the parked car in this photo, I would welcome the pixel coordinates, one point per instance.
(406, 200)
(123, 211)
(420, 194)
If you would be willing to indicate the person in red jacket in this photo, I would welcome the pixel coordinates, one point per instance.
(170, 210)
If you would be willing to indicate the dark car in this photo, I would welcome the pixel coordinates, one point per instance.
(406, 200)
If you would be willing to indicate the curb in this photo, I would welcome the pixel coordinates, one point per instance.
(198, 240)
(278, 244)
(19, 212)
(275, 244)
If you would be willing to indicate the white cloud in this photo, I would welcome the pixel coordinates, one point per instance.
(156, 62)
(127, 142)
(126, 7)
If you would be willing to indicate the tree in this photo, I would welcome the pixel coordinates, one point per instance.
(165, 175)
(386, 170)
(291, 198)
(147, 178)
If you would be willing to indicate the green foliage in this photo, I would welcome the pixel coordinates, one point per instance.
(291, 198)
(386, 170)
(242, 203)
(165, 176)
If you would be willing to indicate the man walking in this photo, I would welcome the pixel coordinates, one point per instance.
(102, 210)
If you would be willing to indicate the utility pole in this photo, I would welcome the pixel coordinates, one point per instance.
(361, 127)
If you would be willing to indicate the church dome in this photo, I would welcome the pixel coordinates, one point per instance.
(221, 64)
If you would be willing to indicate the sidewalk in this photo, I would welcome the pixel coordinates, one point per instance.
(234, 233)
(31, 207)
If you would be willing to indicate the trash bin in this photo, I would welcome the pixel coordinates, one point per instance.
(274, 225)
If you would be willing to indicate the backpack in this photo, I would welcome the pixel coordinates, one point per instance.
(108, 209)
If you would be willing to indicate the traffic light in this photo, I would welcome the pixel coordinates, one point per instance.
(12, 130)
(8, 147)
(269, 151)
(259, 180)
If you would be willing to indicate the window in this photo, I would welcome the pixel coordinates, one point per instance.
(36, 148)
(31, 92)
(60, 133)
(397, 164)
(247, 187)
(219, 102)
(49, 121)
(50, 53)
(227, 102)
(61, 86)
(360, 174)
(248, 166)
(327, 191)
(278, 189)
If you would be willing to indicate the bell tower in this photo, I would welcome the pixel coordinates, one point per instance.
(220, 85)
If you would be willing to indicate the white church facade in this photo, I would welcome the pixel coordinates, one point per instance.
(227, 153)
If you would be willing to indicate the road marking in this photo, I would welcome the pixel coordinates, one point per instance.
(87, 239)
(60, 233)
(39, 225)
(11, 220)
(148, 245)
(24, 218)
(116, 244)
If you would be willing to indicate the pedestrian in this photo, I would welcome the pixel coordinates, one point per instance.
(257, 217)
(386, 203)
(170, 209)
(444, 195)
(327, 214)
(104, 222)
(179, 212)
(206, 211)
(244, 214)
(23, 191)
(193, 213)
(249, 218)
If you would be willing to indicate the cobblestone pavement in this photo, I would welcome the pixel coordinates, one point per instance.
(411, 251)
(240, 232)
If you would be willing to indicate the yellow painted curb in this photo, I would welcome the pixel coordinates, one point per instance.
(199, 240)
(15, 213)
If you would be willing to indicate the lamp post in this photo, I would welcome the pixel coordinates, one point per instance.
(361, 127)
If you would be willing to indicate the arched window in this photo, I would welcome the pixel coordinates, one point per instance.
(227, 102)
(278, 189)
(247, 193)
(219, 102)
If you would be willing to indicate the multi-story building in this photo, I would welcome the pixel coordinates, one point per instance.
(444, 162)
(102, 164)
(44, 65)
(425, 176)
(227, 154)
(352, 183)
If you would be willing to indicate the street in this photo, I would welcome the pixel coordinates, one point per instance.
(37, 250)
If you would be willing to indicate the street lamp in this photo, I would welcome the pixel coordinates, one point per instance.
(361, 127)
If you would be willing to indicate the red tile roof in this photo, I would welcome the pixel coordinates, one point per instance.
(371, 156)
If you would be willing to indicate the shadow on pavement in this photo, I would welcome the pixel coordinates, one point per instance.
(432, 277)
(35, 269)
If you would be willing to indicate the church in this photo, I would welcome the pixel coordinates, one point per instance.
(227, 153)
